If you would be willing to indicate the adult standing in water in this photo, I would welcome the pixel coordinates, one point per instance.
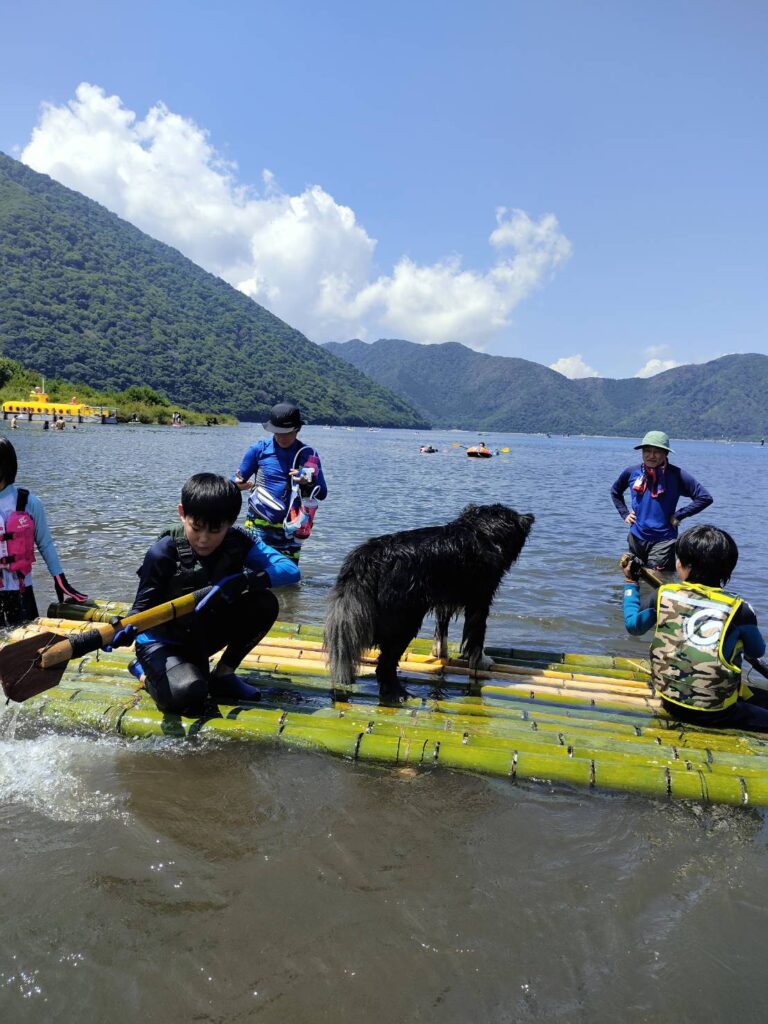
(280, 465)
(655, 487)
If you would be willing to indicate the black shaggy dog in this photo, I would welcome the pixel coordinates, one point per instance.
(388, 584)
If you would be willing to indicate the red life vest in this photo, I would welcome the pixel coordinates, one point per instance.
(19, 537)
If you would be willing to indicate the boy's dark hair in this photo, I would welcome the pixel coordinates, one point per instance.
(9, 465)
(211, 500)
(710, 553)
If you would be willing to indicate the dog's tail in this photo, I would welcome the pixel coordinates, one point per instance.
(349, 628)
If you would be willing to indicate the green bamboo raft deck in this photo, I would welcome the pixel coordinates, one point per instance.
(580, 720)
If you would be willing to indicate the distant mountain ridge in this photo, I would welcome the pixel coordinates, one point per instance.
(454, 386)
(88, 297)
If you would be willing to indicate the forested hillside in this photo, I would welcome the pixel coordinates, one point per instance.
(87, 297)
(453, 386)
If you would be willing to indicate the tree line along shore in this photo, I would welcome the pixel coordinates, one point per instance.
(136, 404)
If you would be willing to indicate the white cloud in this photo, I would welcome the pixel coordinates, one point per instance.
(573, 367)
(305, 257)
(654, 366)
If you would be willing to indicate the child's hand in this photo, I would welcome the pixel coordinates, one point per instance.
(226, 590)
(123, 638)
(630, 566)
(631, 518)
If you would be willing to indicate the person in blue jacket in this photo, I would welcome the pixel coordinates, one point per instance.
(24, 527)
(655, 487)
(702, 632)
(206, 549)
(275, 464)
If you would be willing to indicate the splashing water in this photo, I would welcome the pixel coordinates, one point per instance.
(61, 777)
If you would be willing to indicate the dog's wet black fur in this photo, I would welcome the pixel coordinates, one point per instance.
(387, 585)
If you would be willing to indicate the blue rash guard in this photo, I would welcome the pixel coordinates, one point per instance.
(654, 514)
(271, 466)
(271, 494)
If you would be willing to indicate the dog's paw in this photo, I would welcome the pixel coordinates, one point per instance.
(393, 696)
(481, 664)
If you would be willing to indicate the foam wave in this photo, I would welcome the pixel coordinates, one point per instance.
(61, 777)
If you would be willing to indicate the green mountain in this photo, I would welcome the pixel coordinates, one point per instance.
(453, 386)
(88, 297)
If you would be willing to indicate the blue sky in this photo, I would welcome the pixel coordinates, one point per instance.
(541, 179)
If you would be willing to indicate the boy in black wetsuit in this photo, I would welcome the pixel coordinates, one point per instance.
(205, 549)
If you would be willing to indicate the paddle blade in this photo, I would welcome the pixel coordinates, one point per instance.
(21, 673)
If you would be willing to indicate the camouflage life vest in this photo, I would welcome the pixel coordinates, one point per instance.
(687, 662)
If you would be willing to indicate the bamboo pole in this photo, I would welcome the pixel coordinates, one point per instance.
(277, 657)
(565, 724)
(554, 766)
(566, 732)
(419, 646)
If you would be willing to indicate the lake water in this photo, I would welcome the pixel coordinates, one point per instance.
(154, 881)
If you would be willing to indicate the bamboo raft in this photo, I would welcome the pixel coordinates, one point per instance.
(580, 720)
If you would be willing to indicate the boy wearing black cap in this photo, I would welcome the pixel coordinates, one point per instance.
(656, 487)
(276, 463)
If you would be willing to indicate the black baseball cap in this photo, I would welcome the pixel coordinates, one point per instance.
(284, 418)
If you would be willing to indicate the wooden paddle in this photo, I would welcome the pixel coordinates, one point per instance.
(37, 663)
(655, 581)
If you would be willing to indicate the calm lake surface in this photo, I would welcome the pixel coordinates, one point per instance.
(156, 881)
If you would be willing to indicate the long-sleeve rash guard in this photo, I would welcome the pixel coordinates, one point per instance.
(238, 551)
(654, 514)
(161, 561)
(271, 466)
(43, 539)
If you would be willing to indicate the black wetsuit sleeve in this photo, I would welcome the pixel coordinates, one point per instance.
(155, 575)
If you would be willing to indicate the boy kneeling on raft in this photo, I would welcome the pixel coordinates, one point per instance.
(701, 634)
(206, 549)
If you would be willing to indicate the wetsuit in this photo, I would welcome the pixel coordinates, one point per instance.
(749, 711)
(175, 656)
(271, 465)
(652, 536)
(17, 605)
